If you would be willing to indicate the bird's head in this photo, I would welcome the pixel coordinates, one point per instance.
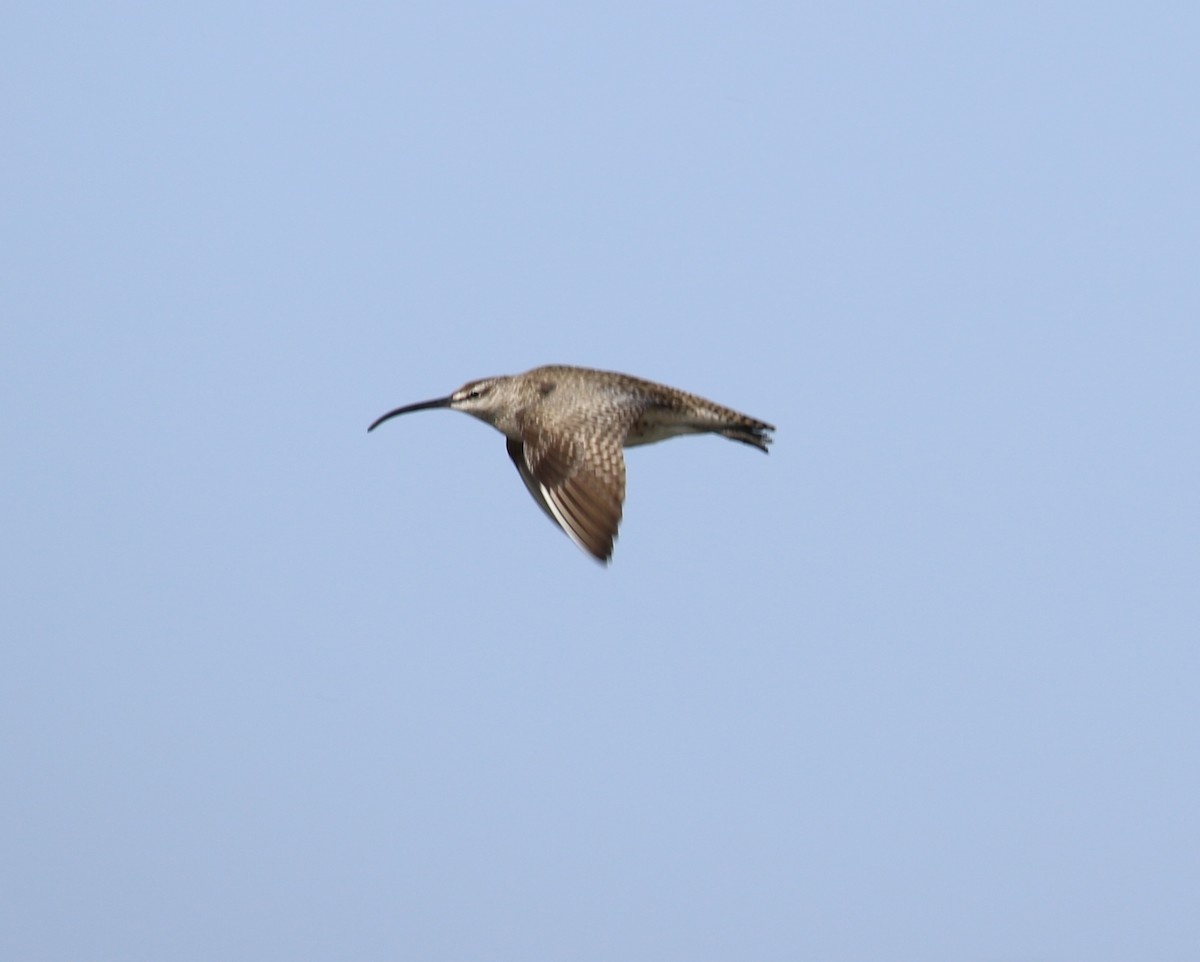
(486, 399)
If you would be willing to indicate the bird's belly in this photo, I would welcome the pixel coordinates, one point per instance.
(644, 433)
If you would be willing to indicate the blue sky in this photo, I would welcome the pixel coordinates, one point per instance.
(920, 685)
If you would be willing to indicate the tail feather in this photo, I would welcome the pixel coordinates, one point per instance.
(755, 433)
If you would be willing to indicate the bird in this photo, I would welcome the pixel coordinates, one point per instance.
(565, 427)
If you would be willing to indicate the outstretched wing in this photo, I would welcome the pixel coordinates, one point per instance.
(579, 481)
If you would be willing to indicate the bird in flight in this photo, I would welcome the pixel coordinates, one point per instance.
(565, 428)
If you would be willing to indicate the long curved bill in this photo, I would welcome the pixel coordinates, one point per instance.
(442, 402)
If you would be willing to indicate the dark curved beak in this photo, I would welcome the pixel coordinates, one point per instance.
(442, 402)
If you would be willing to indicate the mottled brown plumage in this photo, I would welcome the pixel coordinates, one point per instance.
(566, 427)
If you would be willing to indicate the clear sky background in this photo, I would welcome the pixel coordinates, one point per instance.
(920, 685)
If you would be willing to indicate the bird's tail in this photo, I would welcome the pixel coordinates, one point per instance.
(749, 431)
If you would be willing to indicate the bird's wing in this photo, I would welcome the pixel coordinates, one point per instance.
(578, 480)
